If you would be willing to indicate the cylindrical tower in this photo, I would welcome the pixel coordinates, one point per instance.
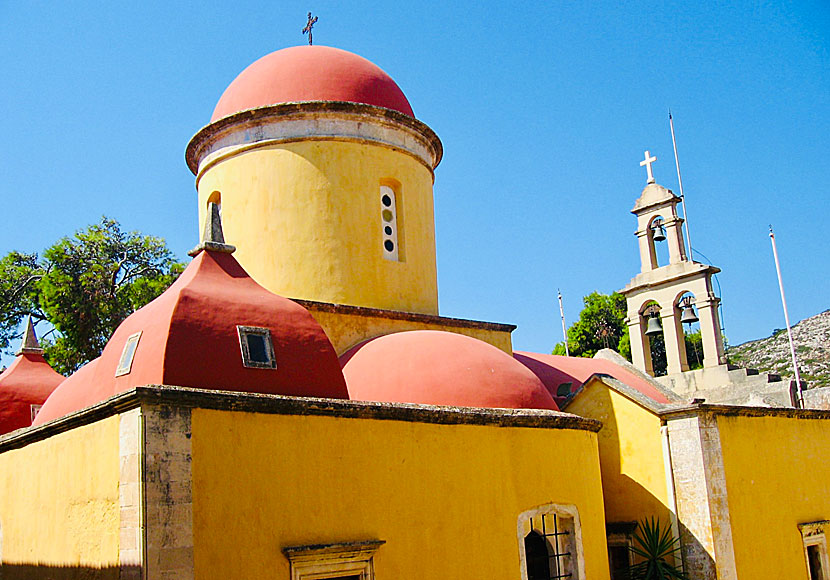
(325, 178)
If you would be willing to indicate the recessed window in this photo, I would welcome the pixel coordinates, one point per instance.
(551, 543)
(815, 549)
(346, 561)
(389, 223)
(34, 409)
(257, 347)
(125, 364)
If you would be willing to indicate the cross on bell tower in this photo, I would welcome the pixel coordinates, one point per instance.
(647, 162)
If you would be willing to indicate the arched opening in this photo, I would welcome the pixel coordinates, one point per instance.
(653, 330)
(536, 555)
(657, 241)
(692, 346)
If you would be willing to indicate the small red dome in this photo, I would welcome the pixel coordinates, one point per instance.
(189, 337)
(28, 381)
(311, 73)
(441, 368)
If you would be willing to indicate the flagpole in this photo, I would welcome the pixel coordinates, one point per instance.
(787, 318)
(680, 183)
(564, 331)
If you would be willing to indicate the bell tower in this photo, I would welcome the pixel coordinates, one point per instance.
(662, 295)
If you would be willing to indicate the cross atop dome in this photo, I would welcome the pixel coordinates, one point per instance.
(647, 162)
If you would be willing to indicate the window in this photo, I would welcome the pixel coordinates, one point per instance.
(389, 223)
(257, 348)
(34, 410)
(620, 535)
(125, 364)
(345, 561)
(551, 543)
(815, 549)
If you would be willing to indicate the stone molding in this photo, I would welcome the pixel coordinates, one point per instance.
(317, 120)
(330, 560)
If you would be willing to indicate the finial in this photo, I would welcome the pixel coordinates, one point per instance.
(647, 162)
(212, 237)
(309, 25)
(29, 344)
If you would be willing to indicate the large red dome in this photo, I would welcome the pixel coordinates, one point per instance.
(311, 73)
(431, 367)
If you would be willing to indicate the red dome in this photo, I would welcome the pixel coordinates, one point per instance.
(311, 73)
(441, 368)
(28, 381)
(189, 338)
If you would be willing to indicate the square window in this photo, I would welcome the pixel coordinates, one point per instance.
(345, 561)
(125, 363)
(257, 347)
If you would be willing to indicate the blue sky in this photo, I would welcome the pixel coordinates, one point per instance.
(544, 111)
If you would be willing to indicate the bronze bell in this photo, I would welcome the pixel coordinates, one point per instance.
(659, 231)
(688, 316)
(653, 326)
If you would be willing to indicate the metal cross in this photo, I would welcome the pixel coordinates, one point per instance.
(647, 162)
(309, 25)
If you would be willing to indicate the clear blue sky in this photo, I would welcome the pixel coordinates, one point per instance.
(544, 110)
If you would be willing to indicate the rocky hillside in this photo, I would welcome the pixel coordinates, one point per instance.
(812, 348)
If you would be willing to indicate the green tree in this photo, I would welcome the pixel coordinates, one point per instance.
(84, 287)
(601, 325)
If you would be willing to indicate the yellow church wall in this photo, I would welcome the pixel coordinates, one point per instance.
(59, 505)
(347, 330)
(305, 217)
(777, 476)
(630, 452)
(445, 498)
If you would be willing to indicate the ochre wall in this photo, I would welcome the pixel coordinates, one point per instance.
(445, 498)
(59, 505)
(305, 218)
(348, 330)
(630, 451)
(777, 476)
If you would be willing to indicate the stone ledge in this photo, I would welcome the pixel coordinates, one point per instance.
(743, 411)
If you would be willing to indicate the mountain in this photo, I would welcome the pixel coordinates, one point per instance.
(812, 349)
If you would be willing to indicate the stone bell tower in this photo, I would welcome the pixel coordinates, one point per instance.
(663, 291)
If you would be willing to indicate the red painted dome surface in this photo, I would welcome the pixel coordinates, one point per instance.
(555, 370)
(28, 381)
(311, 73)
(189, 338)
(441, 368)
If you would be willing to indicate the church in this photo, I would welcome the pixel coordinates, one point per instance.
(294, 406)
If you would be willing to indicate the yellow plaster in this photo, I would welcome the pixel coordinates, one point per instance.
(348, 330)
(445, 498)
(59, 503)
(777, 476)
(630, 451)
(305, 218)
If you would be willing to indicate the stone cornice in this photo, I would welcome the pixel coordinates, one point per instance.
(314, 120)
(743, 411)
(667, 275)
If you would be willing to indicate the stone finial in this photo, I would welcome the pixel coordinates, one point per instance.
(212, 237)
(29, 344)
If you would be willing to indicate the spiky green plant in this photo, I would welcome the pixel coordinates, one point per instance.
(656, 546)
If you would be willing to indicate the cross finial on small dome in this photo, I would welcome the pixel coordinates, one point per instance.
(29, 344)
(309, 25)
(212, 237)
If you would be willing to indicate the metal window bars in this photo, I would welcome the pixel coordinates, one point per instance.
(557, 547)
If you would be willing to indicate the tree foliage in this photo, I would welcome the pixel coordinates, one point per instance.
(601, 325)
(83, 287)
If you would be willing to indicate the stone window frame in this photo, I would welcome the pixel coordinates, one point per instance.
(814, 534)
(243, 332)
(620, 534)
(125, 362)
(567, 511)
(324, 561)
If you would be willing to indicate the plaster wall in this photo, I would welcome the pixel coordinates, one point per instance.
(305, 217)
(777, 476)
(445, 498)
(59, 504)
(630, 452)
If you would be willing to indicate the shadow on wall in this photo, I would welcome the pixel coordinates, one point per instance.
(68, 572)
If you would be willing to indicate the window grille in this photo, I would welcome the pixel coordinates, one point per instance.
(558, 541)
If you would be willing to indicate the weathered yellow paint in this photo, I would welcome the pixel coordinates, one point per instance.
(630, 452)
(777, 476)
(305, 218)
(59, 501)
(347, 330)
(445, 498)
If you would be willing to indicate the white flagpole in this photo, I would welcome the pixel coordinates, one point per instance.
(564, 331)
(680, 183)
(786, 318)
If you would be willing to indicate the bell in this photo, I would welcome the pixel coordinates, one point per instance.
(659, 232)
(688, 316)
(653, 326)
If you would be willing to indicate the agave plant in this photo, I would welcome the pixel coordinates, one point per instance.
(656, 547)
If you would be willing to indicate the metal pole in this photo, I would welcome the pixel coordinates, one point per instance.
(564, 331)
(786, 318)
(680, 183)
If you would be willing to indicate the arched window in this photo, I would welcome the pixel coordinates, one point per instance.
(551, 539)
